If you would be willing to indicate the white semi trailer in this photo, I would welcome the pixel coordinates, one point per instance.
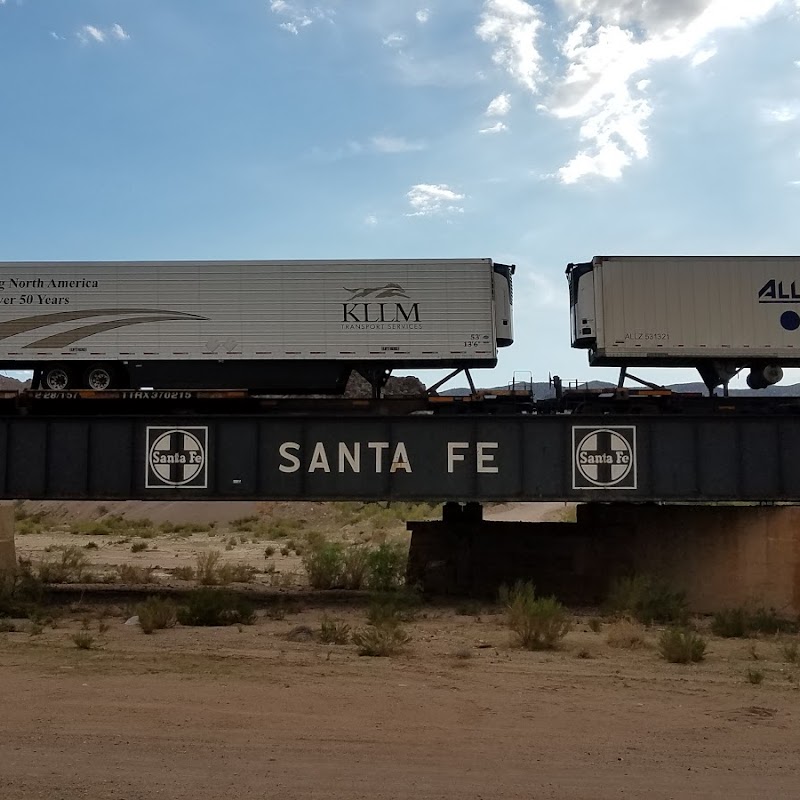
(719, 314)
(271, 326)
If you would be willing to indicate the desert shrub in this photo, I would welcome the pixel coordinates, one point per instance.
(269, 551)
(333, 631)
(768, 620)
(791, 653)
(324, 565)
(730, 623)
(392, 608)
(207, 570)
(156, 613)
(138, 547)
(626, 634)
(129, 573)
(83, 640)
(681, 646)
(63, 565)
(215, 607)
(647, 600)
(539, 623)
(754, 676)
(20, 591)
(183, 573)
(380, 640)
(244, 524)
(91, 546)
(355, 567)
(387, 566)
(6, 626)
(595, 624)
(235, 573)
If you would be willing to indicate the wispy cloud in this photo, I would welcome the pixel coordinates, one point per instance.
(297, 15)
(430, 199)
(498, 127)
(382, 145)
(92, 34)
(701, 56)
(423, 15)
(395, 144)
(608, 47)
(782, 114)
(500, 106)
(512, 26)
(371, 220)
(394, 39)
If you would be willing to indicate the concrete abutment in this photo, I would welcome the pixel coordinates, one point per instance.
(720, 556)
(8, 555)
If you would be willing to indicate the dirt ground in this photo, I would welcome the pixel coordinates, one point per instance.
(243, 712)
(460, 713)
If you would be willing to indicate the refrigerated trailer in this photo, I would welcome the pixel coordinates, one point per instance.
(270, 326)
(719, 314)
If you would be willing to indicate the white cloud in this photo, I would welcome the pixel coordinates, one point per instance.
(55, 36)
(118, 32)
(786, 113)
(423, 15)
(371, 220)
(428, 199)
(500, 106)
(498, 127)
(89, 34)
(394, 39)
(513, 27)
(297, 15)
(395, 144)
(608, 46)
(701, 56)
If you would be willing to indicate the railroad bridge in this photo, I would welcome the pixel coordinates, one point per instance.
(94, 451)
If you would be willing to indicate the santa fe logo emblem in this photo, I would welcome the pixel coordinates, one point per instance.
(177, 458)
(604, 458)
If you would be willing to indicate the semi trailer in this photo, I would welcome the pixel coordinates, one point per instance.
(267, 326)
(718, 314)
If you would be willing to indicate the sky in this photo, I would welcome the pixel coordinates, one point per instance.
(533, 133)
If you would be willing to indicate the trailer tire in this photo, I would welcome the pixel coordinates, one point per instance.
(56, 379)
(99, 378)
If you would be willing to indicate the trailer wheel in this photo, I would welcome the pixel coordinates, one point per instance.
(98, 378)
(55, 379)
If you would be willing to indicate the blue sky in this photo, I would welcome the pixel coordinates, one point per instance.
(530, 132)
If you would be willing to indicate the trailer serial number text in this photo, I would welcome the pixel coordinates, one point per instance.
(38, 299)
(647, 336)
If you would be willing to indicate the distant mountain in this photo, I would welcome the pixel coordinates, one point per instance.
(544, 391)
(12, 384)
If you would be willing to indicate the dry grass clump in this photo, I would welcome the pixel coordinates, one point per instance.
(647, 600)
(211, 607)
(131, 574)
(626, 634)
(210, 572)
(63, 565)
(333, 631)
(383, 640)
(156, 614)
(681, 646)
(539, 623)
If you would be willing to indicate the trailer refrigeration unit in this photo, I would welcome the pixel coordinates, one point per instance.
(719, 314)
(269, 326)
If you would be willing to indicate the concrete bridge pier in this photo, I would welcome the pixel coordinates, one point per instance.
(720, 556)
(8, 555)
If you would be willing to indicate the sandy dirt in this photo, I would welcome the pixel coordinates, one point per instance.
(209, 713)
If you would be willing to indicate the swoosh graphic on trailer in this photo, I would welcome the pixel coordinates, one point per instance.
(59, 340)
(25, 324)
